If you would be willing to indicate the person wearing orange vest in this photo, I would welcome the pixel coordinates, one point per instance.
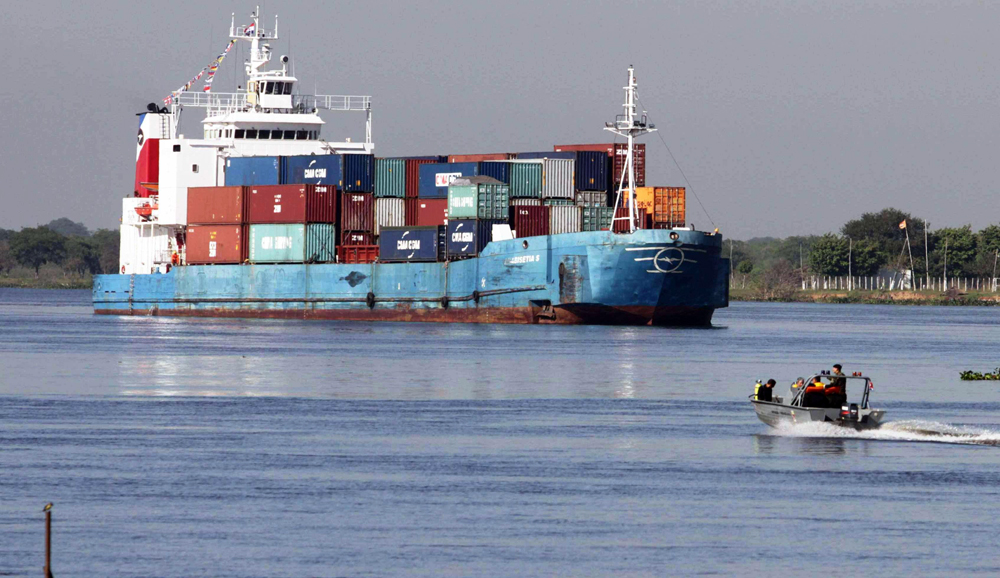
(814, 396)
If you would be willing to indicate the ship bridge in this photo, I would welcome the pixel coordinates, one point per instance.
(269, 109)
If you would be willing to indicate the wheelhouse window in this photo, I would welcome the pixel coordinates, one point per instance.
(289, 135)
(263, 134)
(251, 133)
(300, 135)
(268, 87)
(288, 88)
(239, 133)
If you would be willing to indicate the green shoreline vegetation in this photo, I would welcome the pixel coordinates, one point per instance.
(816, 268)
(65, 255)
(60, 255)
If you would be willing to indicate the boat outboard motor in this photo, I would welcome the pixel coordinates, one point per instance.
(849, 412)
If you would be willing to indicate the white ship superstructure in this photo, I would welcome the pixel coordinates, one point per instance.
(269, 118)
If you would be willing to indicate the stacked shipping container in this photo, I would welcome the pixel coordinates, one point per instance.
(566, 190)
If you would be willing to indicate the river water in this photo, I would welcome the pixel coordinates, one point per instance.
(201, 447)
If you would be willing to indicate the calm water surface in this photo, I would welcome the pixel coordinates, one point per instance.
(273, 448)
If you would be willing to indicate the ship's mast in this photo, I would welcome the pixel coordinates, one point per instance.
(629, 126)
(259, 56)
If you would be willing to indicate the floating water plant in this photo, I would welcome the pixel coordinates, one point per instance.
(976, 376)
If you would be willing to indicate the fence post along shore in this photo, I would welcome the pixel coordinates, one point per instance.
(900, 283)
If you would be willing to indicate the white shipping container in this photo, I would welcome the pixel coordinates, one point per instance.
(526, 202)
(389, 212)
(558, 178)
(564, 219)
(592, 198)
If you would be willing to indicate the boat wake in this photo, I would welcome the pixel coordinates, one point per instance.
(902, 431)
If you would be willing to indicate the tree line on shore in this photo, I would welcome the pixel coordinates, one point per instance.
(889, 239)
(63, 244)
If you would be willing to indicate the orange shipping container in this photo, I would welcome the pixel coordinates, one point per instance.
(669, 207)
(644, 197)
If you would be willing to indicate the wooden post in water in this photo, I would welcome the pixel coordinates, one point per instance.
(48, 539)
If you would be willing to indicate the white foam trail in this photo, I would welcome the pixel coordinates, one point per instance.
(903, 431)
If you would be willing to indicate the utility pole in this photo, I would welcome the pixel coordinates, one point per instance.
(996, 254)
(927, 259)
(946, 264)
(850, 256)
(731, 279)
(48, 539)
(802, 268)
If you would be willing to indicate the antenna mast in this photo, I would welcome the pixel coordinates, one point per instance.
(629, 126)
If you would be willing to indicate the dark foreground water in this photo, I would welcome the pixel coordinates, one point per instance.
(275, 448)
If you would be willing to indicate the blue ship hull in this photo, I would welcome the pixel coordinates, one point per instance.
(644, 278)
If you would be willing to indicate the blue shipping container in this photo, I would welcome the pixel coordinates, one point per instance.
(499, 170)
(312, 170)
(435, 178)
(409, 244)
(467, 237)
(592, 171)
(249, 171)
(359, 173)
(548, 155)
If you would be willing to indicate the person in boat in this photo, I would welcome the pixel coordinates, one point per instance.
(764, 391)
(836, 392)
(815, 394)
(799, 383)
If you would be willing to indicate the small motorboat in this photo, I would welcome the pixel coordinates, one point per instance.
(817, 408)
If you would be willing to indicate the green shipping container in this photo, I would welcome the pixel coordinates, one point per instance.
(479, 201)
(315, 243)
(526, 180)
(596, 218)
(390, 178)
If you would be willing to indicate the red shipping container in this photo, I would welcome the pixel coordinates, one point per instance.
(293, 204)
(617, 151)
(215, 244)
(411, 207)
(413, 176)
(530, 221)
(357, 212)
(357, 254)
(217, 205)
(432, 212)
(321, 204)
(642, 220)
(481, 158)
(354, 238)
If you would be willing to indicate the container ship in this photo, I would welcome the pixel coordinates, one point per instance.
(266, 217)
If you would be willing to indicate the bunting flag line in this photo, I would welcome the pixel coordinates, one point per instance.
(214, 67)
(211, 69)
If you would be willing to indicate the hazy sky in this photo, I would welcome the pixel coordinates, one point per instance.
(787, 117)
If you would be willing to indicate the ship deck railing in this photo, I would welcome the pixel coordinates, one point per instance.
(219, 103)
